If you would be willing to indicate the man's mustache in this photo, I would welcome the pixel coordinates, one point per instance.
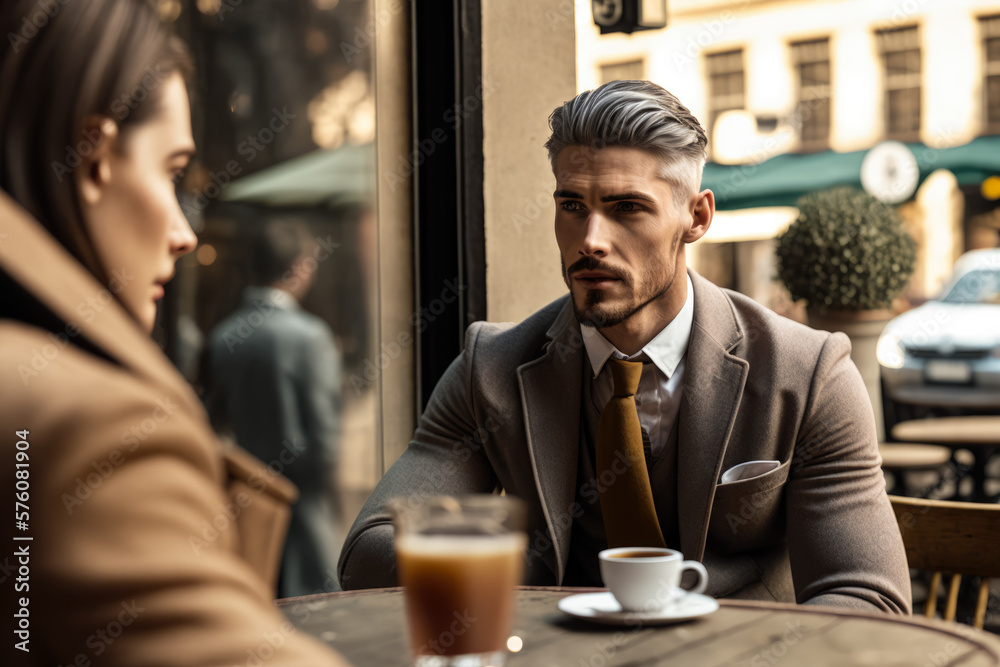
(591, 263)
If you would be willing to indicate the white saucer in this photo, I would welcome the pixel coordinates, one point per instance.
(604, 608)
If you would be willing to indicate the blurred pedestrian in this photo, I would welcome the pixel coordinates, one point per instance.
(275, 387)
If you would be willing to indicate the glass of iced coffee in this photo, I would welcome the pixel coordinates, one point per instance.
(459, 560)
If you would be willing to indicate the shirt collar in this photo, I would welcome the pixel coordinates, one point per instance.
(278, 297)
(665, 350)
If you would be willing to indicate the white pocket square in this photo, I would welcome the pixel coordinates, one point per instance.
(748, 470)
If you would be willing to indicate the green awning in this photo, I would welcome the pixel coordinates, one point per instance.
(336, 177)
(781, 180)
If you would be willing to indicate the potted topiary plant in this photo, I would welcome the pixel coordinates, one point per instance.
(849, 257)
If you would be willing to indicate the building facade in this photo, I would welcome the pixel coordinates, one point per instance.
(829, 79)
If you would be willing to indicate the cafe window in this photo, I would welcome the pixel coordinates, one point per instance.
(900, 51)
(282, 195)
(812, 65)
(625, 71)
(991, 73)
(726, 84)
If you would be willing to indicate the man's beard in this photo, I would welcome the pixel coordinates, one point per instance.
(656, 282)
(591, 315)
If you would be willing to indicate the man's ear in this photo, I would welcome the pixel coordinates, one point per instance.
(702, 212)
(306, 272)
(93, 174)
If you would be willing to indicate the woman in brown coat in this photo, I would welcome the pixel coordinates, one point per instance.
(136, 539)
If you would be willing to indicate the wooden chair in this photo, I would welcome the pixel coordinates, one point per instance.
(954, 537)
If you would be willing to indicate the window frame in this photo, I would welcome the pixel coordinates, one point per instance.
(894, 85)
(806, 97)
(602, 67)
(989, 31)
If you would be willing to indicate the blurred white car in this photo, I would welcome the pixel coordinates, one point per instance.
(947, 351)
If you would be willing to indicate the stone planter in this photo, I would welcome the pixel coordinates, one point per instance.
(863, 328)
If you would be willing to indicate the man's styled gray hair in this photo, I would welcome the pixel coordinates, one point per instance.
(634, 114)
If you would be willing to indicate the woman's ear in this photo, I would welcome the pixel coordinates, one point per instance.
(93, 174)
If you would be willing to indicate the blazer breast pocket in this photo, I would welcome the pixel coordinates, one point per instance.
(749, 513)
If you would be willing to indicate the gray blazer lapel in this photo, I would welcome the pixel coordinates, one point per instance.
(713, 386)
(550, 400)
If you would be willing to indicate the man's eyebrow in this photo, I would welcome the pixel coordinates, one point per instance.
(568, 194)
(629, 195)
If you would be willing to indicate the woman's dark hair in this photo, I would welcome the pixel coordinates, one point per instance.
(69, 61)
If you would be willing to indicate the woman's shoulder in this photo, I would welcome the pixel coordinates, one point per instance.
(73, 398)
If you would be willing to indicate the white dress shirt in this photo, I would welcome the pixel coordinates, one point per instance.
(662, 382)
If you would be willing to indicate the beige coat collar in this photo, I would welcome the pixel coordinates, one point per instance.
(35, 260)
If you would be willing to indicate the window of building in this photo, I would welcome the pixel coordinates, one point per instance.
(900, 49)
(726, 86)
(991, 74)
(812, 115)
(627, 71)
(287, 280)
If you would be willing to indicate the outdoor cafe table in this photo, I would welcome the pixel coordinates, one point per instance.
(369, 629)
(978, 434)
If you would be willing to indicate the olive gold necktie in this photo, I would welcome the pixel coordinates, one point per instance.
(627, 498)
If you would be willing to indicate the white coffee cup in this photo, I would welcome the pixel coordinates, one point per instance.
(647, 578)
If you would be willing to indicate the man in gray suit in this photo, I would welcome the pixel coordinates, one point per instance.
(758, 454)
(275, 386)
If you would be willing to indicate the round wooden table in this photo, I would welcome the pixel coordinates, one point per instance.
(369, 629)
(899, 458)
(978, 434)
